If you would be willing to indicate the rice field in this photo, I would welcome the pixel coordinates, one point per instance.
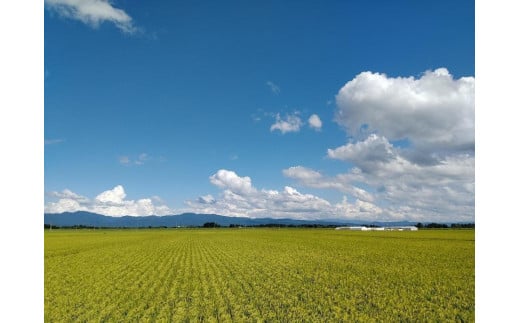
(259, 275)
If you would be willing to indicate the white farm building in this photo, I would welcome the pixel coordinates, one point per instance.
(402, 228)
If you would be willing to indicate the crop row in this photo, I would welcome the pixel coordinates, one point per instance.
(247, 275)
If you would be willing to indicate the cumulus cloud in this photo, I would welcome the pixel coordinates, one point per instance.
(274, 88)
(303, 173)
(291, 123)
(311, 178)
(230, 180)
(411, 148)
(113, 196)
(206, 199)
(374, 148)
(240, 198)
(68, 194)
(403, 190)
(111, 202)
(315, 122)
(365, 154)
(443, 191)
(360, 210)
(434, 111)
(93, 13)
(64, 205)
(234, 200)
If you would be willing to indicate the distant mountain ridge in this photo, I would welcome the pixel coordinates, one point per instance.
(67, 219)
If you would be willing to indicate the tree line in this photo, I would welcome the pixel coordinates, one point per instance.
(434, 225)
(419, 225)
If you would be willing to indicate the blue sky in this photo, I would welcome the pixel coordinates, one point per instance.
(163, 107)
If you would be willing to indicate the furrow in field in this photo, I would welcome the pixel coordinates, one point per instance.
(120, 275)
(171, 283)
(181, 295)
(152, 282)
(223, 297)
(91, 281)
(250, 281)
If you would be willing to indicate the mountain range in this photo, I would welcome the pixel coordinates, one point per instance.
(67, 219)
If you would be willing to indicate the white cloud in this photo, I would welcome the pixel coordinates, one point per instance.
(111, 202)
(274, 88)
(68, 194)
(125, 160)
(412, 146)
(113, 196)
(314, 179)
(206, 199)
(434, 111)
(360, 210)
(93, 13)
(64, 205)
(441, 192)
(230, 180)
(291, 123)
(139, 160)
(445, 190)
(315, 122)
(240, 198)
(404, 191)
(365, 154)
(286, 203)
(302, 173)
(374, 148)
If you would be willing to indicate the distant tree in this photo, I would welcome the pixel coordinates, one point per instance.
(211, 225)
(463, 225)
(419, 225)
(434, 225)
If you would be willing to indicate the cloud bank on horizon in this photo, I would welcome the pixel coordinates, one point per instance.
(410, 155)
(111, 202)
